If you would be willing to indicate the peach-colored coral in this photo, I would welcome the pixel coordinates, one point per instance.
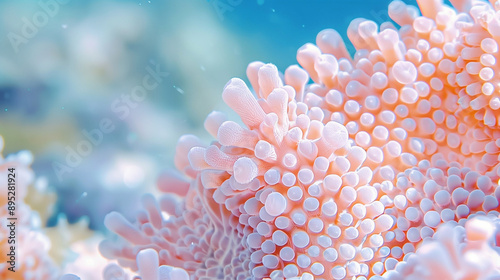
(200, 239)
(31, 245)
(344, 177)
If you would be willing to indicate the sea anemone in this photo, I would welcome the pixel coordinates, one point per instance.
(347, 176)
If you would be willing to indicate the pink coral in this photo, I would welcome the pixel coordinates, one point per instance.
(455, 252)
(343, 177)
(31, 246)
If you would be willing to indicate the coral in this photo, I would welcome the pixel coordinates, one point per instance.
(31, 245)
(349, 176)
(198, 238)
(40, 252)
(455, 252)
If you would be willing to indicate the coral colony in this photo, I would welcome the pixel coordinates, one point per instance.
(384, 165)
(24, 248)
